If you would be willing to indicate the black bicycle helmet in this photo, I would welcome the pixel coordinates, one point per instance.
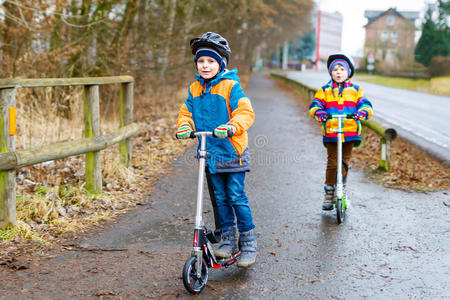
(214, 41)
(347, 58)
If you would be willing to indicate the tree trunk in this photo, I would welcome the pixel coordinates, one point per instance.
(126, 23)
(187, 27)
(142, 40)
(166, 51)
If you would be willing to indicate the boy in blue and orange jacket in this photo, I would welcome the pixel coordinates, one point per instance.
(217, 103)
(339, 96)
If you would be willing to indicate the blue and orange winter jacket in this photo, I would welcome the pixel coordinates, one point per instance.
(347, 98)
(212, 103)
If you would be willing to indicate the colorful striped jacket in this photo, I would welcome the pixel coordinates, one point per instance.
(345, 99)
(217, 102)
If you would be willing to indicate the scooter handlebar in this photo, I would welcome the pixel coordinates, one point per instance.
(229, 133)
(194, 134)
(346, 116)
(209, 133)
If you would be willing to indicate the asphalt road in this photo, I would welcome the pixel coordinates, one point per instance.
(393, 245)
(419, 117)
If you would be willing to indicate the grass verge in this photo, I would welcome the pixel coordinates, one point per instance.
(438, 85)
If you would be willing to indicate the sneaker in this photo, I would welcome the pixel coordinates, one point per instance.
(328, 201)
(229, 245)
(248, 247)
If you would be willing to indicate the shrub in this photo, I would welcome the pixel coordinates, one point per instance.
(440, 66)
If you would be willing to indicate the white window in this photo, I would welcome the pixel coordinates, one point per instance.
(394, 36)
(384, 36)
(393, 56)
(390, 20)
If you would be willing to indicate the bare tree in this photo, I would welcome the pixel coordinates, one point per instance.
(166, 52)
(146, 38)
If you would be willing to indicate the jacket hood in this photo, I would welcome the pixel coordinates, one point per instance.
(225, 74)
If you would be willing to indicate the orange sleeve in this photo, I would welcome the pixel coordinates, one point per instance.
(185, 113)
(243, 116)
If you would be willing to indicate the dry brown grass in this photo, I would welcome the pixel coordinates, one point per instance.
(48, 115)
(51, 199)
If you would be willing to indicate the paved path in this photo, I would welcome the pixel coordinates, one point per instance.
(419, 117)
(393, 245)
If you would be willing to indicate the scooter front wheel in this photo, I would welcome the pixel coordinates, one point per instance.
(191, 281)
(340, 210)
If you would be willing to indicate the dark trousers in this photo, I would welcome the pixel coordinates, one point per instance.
(330, 177)
(232, 202)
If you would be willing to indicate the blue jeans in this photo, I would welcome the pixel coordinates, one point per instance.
(232, 201)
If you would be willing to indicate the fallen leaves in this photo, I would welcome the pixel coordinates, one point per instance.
(12, 263)
(51, 198)
(411, 168)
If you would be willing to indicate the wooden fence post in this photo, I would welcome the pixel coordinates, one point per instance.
(8, 144)
(363, 137)
(385, 153)
(126, 118)
(387, 135)
(93, 169)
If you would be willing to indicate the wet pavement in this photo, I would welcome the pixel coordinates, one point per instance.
(393, 245)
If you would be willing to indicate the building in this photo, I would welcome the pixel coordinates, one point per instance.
(328, 36)
(389, 43)
(313, 47)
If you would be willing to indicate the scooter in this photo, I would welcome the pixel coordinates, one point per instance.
(195, 271)
(341, 201)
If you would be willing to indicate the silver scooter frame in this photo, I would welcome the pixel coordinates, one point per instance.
(340, 202)
(202, 249)
(199, 224)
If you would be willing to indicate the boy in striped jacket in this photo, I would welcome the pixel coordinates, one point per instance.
(339, 96)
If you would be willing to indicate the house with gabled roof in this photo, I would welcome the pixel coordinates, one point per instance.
(390, 39)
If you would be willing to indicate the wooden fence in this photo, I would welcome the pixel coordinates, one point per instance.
(93, 142)
(387, 135)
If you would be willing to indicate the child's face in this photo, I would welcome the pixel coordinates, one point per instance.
(339, 74)
(207, 67)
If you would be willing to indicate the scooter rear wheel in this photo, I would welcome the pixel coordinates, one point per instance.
(192, 283)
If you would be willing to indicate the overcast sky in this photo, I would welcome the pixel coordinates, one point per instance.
(353, 17)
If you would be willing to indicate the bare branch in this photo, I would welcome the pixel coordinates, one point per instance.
(64, 17)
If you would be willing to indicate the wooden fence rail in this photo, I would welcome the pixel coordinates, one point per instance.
(387, 135)
(93, 142)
